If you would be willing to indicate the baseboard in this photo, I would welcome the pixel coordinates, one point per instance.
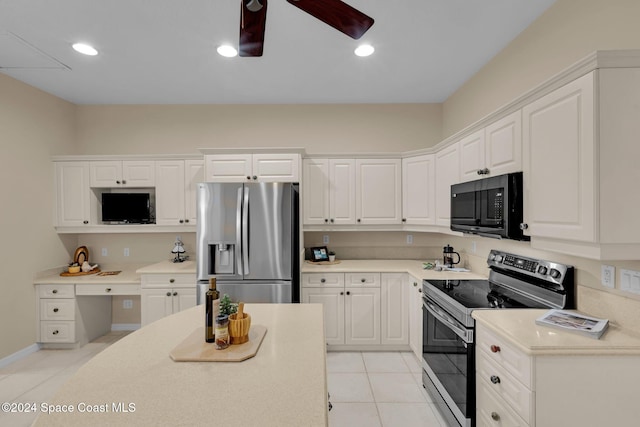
(19, 355)
(125, 326)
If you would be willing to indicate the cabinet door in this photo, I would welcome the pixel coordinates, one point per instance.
(194, 174)
(415, 316)
(394, 302)
(503, 145)
(418, 190)
(276, 167)
(228, 167)
(342, 191)
(378, 191)
(559, 167)
(362, 315)
(106, 173)
(332, 301)
(472, 156)
(72, 194)
(183, 299)
(315, 194)
(170, 195)
(447, 173)
(138, 173)
(155, 304)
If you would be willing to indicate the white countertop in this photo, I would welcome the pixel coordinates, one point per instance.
(127, 274)
(520, 328)
(283, 385)
(414, 268)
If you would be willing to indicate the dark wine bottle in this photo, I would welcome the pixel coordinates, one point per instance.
(212, 309)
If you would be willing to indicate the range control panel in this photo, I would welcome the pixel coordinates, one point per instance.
(545, 270)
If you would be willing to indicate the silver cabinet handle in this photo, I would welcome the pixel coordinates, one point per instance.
(524, 226)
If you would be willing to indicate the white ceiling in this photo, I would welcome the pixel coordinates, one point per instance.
(163, 51)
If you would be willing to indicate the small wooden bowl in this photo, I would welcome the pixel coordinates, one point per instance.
(74, 269)
(239, 328)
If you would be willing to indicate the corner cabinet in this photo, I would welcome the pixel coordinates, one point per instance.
(260, 167)
(560, 169)
(580, 166)
(447, 173)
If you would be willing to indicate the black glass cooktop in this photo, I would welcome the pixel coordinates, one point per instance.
(481, 294)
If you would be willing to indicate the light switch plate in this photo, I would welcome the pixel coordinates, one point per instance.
(608, 276)
(409, 239)
(630, 281)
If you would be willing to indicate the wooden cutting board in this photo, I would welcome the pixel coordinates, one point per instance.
(195, 349)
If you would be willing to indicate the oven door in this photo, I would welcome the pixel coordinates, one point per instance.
(448, 362)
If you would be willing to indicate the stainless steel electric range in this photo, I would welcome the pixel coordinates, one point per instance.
(448, 328)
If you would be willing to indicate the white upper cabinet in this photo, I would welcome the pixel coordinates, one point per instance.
(559, 170)
(329, 191)
(72, 194)
(419, 190)
(315, 193)
(494, 150)
(176, 191)
(122, 173)
(378, 191)
(263, 167)
(447, 173)
(342, 191)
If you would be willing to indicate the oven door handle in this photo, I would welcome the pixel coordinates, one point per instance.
(447, 320)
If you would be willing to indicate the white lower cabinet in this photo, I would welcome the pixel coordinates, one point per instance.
(576, 388)
(394, 308)
(165, 294)
(415, 316)
(361, 309)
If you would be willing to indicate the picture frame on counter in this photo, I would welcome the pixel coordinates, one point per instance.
(319, 253)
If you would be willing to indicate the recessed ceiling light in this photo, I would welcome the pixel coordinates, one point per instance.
(84, 49)
(364, 50)
(227, 51)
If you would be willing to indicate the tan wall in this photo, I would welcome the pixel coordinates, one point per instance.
(34, 126)
(568, 31)
(321, 128)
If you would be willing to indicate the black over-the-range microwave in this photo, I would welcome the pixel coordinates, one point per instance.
(490, 207)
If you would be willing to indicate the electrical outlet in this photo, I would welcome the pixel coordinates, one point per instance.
(409, 239)
(105, 252)
(325, 239)
(127, 304)
(608, 276)
(126, 251)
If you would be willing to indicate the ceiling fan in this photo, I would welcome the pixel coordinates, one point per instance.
(339, 15)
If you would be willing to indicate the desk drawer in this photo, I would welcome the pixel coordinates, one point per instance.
(55, 291)
(109, 289)
(61, 332)
(57, 309)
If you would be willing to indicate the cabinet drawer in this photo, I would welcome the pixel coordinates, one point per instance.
(512, 391)
(63, 331)
(318, 280)
(503, 354)
(113, 289)
(57, 309)
(56, 291)
(369, 280)
(168, 280)
(492, 411)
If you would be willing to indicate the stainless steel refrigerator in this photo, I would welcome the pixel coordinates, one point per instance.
(248, 239)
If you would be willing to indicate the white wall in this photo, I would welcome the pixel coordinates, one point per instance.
(34, 126)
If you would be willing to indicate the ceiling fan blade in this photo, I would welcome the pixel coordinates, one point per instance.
(253, 15)
(337, 14)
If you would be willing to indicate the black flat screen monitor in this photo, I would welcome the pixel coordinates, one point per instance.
(133, 208)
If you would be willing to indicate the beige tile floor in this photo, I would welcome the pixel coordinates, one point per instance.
(378, 389)
(367, 388)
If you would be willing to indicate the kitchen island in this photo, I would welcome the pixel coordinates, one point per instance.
(135, 382)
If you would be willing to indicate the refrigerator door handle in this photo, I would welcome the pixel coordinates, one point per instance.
(238, 249)
(245, 231)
